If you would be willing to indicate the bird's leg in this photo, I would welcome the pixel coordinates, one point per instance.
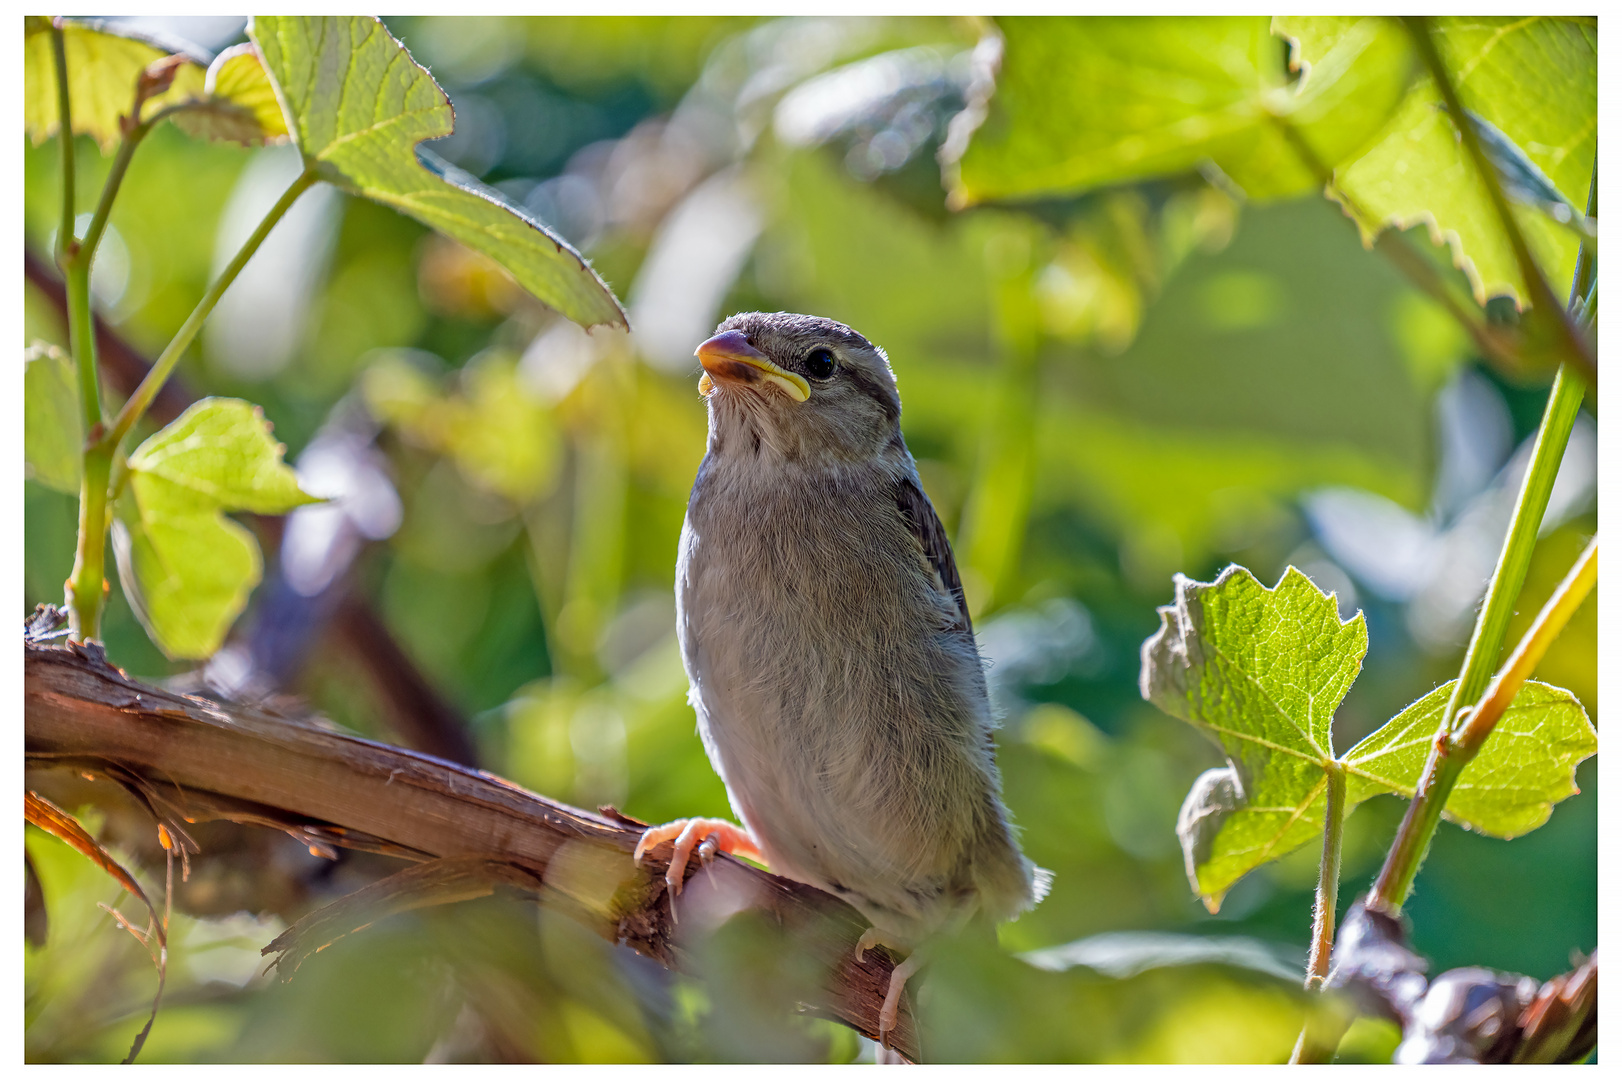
(903, 971)
(892, 997)
(688, 833)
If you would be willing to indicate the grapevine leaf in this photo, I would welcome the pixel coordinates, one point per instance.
(1526, 765)
(186, 568)
(1262, 671)
(1088, 102)
(1535, 81)
(220, 451)
(358, 105)
(239, 103)
(53, 433)
(103, 65)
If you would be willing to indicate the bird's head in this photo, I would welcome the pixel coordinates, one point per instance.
(803, 385)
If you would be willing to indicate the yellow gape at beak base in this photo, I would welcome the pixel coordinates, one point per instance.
(729, 358)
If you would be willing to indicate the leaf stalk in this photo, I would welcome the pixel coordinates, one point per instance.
(1321, 1033)
(1324, 901)
(109, 192)
(1568, 596)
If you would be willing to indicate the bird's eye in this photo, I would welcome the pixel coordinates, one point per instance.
(819, 364)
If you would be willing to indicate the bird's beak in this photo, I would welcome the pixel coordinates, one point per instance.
(730, 358)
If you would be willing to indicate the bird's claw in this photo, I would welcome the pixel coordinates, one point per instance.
(890, 1011)
(870, 938)
(707, 835)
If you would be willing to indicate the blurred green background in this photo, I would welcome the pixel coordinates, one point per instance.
(1100, 392)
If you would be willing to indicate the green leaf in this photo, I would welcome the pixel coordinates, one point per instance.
(359, 105)
(1123, 954)
(1262, 671)
(1534, 80)
(53, 432)
(220, 451)
(186, 568)
(239, 103)
(1526, 765)
(1081, 103)
(102, 68)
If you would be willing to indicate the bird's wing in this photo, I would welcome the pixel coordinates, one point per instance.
(926, 526)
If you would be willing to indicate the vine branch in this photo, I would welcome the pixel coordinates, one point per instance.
(191, 759)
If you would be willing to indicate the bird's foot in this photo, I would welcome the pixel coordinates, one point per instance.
(903, 971)
(709, 835)
(872, 937)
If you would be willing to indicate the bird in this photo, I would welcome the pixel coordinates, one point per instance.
(829, 650)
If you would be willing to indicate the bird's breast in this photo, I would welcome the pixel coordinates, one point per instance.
(848, 723)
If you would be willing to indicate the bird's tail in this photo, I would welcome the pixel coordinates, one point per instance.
(1009, 884)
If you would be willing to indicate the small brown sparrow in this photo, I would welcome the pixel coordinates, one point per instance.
(833, 666)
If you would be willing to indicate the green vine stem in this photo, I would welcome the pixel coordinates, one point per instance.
(1449, 754)
(87, 586)
(1447, 757)
(72, 256)
(64, 120)
(1570, 593)
(1443, 767)
(83, 597)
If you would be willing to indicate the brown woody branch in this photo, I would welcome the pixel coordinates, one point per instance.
(191, 760)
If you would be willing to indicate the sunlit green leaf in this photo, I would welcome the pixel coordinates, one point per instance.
(103, 65)
(1082, 103)
(1535, 80)
(1526, 765)
(359, 105)
(53, 433)
(1262, 670)
(187, 569)
(238, 102)
(220, 452)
